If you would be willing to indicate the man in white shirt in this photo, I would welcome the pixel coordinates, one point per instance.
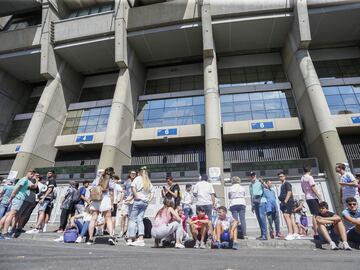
(348, 184)
(187, 201)
(205, 194)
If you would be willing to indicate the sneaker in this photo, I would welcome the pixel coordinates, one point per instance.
(2, 237)
(345, 246)
(297, 236)
(60, 239)
(7, 236)
(78, 239)
(272, 236)
(235, 246)
(333, 246)
(202, 245)
(129, 242)
(279, 235)
(33, 231)
(90, 242)
(111, 242)
(289, 237)
(138, 243)
(179, 245)
(44, 228)
(197, 244)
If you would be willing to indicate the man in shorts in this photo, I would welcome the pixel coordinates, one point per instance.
(225, 232)
(331, 227)
(16, 199)
(351, 216)
(200, 226)
(287, 205)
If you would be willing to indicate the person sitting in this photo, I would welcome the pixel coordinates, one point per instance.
(166, 223)
(331, 227)
(225, 233)
(199, 227)
(81, 222)
(351, 217)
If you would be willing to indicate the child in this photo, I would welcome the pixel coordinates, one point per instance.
(225, 233)
(200, 226)
(187, 201)
(300, 217)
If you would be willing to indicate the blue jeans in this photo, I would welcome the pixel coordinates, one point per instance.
(188, 212)
(83, 227)
(238, 213)
(260, 212)
(3, 209)
(136, 218)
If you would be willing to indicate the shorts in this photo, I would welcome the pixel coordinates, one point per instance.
(333, 235)
(103, 205)
(49, 208)
(43, 205)
(114, 210)
(16, 204)
(124, 210)
(313, 205)
(287, 208)
(353, 236)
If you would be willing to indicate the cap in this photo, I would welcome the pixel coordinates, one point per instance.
(252, 173)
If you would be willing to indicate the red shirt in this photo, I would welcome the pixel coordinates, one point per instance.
(199, 224)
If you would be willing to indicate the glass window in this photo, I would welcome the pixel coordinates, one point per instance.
(257, 105)
(200, 100)
(332, 90)
(255, 96)
(184, 102)
(349, 99)
(347, 89)
(242, 106)
(243, 116)
(344, 101)
(338, 68)
(156, 104)
(156, 113)
(241, 97)
(228, 117)
(170, 112)
(273, 104)
(259, 115)
(186, 83)
(334, 100)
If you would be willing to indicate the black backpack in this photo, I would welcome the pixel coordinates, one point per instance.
(76, 197)
(148, 227)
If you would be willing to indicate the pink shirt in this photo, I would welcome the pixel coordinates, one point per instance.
(163, 218)
(307, 181)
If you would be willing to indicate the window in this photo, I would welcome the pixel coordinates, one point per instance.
(187, 83)
(251, 75)
(22, 21)
(170, 112)
(338, 68)
(86, 120)
(92, 10)
(97, 93)
(343, 99)
(253, 106)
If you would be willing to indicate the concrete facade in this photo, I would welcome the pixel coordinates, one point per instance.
(123, 44)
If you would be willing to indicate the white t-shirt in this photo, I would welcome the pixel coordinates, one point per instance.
(236, 195)
(346, 190)
(142, 194)
(187, 198)
(117, 192)
(203, 190)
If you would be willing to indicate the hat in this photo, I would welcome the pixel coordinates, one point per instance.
(204, 177)
(252, 173)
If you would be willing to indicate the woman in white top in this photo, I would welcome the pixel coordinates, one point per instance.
(143, 192)
(237, 203)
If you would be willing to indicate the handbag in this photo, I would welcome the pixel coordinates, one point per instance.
(96, 193)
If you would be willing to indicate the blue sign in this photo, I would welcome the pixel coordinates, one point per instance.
(167, 132)
(355, 119)
(17, 149)
(262, 125)
(84, 138)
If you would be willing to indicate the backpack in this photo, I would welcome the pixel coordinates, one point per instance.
(76, 197)
(148, 227)
(70, 235)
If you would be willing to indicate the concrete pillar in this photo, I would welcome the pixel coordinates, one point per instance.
(213, 141)
(63, 87)
(116, 150)
(13, 97)
(320, 134)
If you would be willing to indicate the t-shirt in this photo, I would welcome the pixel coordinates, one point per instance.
(67, 203)
(199, 224)
(7, 191)
(82, 192)
(270, 197)
(187, 199)
(326, 215)
(143, 195)
(236, 195)
(127, 188)
(285, 188)
(307, 182)
(226, 223)
(346, 190)
(51, 183)
(355, 215)
(203, 191)
(256, 189)
(22, 192)
(117, 192)
(175, 189)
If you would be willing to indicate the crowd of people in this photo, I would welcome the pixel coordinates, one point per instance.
(193, 218)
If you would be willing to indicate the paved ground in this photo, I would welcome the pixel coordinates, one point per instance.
(36, 255)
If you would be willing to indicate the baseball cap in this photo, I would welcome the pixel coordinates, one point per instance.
(252, 173)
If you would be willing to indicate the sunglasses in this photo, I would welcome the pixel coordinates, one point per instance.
(352, 204)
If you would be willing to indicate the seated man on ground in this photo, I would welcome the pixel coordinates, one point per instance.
(351, 217)
(330, 227)
(200, 226)
(225, 233)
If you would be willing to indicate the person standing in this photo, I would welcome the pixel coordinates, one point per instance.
(171, 191)
(205, 194)
(117, 198)
(5, 195)
(312, 196)
(187, 201)
(287, 205)
(272, 212)
(67, 205)
(259, 204)
(127, 202)
(237, 203)
(348, 184)
(143, 192)
(80, 205)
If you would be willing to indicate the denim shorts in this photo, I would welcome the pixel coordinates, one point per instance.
(42, 206)
(16, 204)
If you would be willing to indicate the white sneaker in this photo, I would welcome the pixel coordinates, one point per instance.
(333, 246)
(202, 245)
(129, 242)
(44, 228)
(138, 243)
(78, 239)
(297, 236)
(179, 245)
(60, 239)
(289, 237)
(344, 246)
(33, 231)
(197, 244)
